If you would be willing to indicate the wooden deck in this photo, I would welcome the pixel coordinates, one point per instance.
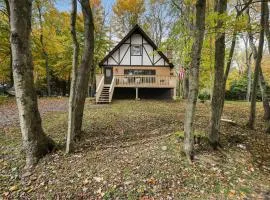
(144, 81)
(104, 92)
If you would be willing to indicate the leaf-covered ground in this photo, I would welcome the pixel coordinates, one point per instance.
(132, 150)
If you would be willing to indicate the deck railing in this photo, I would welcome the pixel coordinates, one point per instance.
(111, 90)
(145, 81)
(99, 88)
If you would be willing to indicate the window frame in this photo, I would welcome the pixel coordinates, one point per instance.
(132, 52)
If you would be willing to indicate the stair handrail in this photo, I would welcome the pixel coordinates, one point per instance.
(111, 90)
(99, 88)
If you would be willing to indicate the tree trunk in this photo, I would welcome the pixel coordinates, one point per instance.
(194, 78)
(186, 84)
(75, 61)
(252, 115)
(92, 81)
(267, 33)
(218, 90)
(83, 74)
(266, 26)
(10, 61)
(35, 142)
(266, 99)
(44, 52)
(262, 82)
(249, 72)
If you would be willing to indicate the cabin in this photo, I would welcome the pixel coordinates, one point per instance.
(135, 68)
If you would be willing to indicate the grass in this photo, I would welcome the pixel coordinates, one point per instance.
(122, 155)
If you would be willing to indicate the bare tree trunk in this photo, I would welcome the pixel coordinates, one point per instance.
(35, 142)
(266, 26)
(84, 69)
(248, 64)
(262, 82)
(75, 62)
(267, 33)
(194, 78)
(186, 84)
(44, 52)
(252, 115)
(218, 90)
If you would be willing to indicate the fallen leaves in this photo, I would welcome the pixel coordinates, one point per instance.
(130, 150)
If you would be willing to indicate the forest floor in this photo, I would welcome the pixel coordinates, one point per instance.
(132, 150)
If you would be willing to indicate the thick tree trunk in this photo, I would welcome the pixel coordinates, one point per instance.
(83, 72)
(35, 142)
(252, 115)
(75, 61)
(218, 90)
(194, 78)
(44, 52)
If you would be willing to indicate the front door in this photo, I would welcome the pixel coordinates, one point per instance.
(108, 74)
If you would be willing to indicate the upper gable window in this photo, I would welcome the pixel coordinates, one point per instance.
(136, 50)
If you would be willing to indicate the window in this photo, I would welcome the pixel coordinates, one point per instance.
(136, 50)
(139, 72)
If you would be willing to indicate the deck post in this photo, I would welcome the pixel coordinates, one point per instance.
(137, 93)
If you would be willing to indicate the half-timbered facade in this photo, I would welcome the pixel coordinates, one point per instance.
(135, 62)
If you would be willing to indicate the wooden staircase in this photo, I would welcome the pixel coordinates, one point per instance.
(104, 93)
(104, 96)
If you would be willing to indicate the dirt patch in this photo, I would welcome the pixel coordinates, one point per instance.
(9, 111)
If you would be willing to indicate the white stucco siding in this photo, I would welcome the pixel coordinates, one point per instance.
(116, 56)
(136, 39)
(149, 50)
(146, 60)
(123, 49)
(111, 62)
(126, 58)
(146, 56)
(136, 60)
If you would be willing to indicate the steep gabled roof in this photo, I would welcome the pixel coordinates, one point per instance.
(136, 29)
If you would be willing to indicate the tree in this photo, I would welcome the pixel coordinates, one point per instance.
(194, 78)
(180, 39)
(44, 51)
(218, 90)
(75, 61)
(158, 19)
(248, 56)
(83, 74)
(257, 70)
(35, 142)
(102, 42)
(127, 14)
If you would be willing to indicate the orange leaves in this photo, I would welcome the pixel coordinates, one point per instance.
(95, 3)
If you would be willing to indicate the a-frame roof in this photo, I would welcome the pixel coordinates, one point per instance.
(136, 30)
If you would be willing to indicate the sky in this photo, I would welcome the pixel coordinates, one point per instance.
(64, 5)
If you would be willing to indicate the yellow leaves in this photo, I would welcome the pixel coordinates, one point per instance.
(128, 6)
(13, 188)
